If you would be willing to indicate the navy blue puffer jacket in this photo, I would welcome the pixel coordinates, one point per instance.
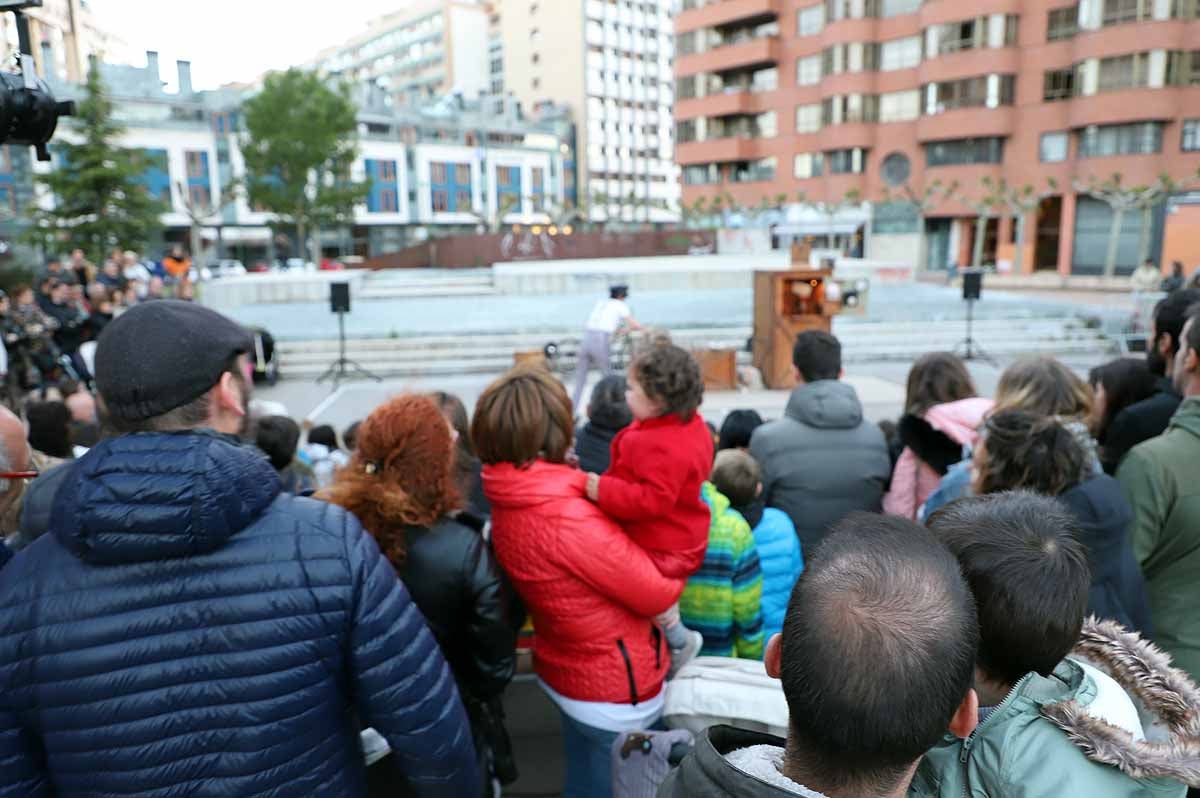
(185, 629)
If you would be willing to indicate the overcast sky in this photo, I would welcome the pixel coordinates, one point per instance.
(234, 40)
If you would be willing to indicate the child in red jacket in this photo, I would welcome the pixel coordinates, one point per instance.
(658, 466)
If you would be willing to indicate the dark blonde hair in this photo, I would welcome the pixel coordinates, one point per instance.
(737, 476)
(524, 416)
(401, 474)
(1024, 451)
(1045, 387)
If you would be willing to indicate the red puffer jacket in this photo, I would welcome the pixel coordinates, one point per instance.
(590, 589)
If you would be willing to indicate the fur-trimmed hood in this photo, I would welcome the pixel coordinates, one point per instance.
(1166, 700)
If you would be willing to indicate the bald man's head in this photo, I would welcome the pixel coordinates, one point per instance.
(14, 448)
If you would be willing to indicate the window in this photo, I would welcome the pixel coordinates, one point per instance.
(1191, 135)
(1101, 141)
(8, 198)
(900, 54)
(970, 93)
(1186, 9)
(808, 164)
(766, 126)
(441, 200)
(836, 10)
(754, 171)
(808, 118)
(437, 173)
(1062, 23)
(197, 164)
(462, 201)
(900, 106)
(965, 35)
(1124, 72)
(701, 174)
(198, 196)
(964, 152)
(686, 131)
(764, 80)
(846, 162)
(808, 71)
(810, 21)
(387, 201)
(894, 8)
(1054, 147)
(849, 108)
(387, 171)
(685, 88)
(1118, 12)
(1183, 68)
(853, 57)
(1058, 84)
(462, 173)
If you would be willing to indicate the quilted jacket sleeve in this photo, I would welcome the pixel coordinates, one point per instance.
(21, 774)
(902, 500)
(747, 594)
(401, 682)
(493, 640)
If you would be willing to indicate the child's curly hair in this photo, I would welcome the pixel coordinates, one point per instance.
(670, 375)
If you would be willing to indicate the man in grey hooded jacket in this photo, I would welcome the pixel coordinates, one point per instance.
(822, 460)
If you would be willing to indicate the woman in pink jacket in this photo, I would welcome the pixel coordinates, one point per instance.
(942, 415)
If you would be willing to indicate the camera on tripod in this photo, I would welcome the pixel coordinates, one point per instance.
(29, 113)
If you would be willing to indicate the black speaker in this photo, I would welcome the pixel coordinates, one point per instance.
(339, 297)
(973, 284)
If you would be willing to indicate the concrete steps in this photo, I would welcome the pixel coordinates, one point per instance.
(420, 356)
(411, 284)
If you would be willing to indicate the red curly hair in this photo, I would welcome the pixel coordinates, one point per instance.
(402, 473)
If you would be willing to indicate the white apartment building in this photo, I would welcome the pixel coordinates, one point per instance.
(611, 63)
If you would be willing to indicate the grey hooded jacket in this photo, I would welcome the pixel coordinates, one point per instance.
(822, 460)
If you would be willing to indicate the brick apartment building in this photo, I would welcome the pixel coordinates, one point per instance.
(778, 97)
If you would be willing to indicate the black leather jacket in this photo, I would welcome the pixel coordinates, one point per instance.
(454, 579)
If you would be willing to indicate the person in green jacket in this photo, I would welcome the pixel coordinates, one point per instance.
(722, 601)
(1160, 481)
(1057, 695)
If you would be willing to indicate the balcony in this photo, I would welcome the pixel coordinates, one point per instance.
(727, 12)
(718, 151)
(765, 51)
(966, 123)
(1132, 105)
(726, 104)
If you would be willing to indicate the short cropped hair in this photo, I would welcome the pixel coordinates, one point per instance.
(608, 408)
(879, 648)
(524, 416)
(324, 435)
(817, 355)
(736, 475)
(670, 375)
(1021, 555)
(1193, 339)
(737, 429)
(1171, 314)
(277, 437)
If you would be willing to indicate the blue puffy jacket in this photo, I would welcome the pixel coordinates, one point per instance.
(781, 562)
(185, 629)
(5, 554)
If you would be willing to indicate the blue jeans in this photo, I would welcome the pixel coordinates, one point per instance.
(589, 760)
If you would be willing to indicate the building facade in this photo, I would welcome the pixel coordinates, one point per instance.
(878, 100)
(453, 165)
(64, 35)
(428, 49)
(611, 64)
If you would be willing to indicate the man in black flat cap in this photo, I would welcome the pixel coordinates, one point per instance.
(595, 350)
(185, 627)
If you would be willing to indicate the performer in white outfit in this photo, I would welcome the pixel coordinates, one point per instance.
(595, 351)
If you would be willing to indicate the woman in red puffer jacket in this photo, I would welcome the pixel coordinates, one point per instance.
(592, 592)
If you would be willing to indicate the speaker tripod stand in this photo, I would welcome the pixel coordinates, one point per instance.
(344, 368)
(970, 348)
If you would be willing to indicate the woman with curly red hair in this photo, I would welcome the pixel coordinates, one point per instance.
(401, 486)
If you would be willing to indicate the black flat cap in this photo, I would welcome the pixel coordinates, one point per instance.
(163, 354)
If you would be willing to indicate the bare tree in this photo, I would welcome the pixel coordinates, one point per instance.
(493, 222)
(1020, 202)
(1122, 199)
(201, 214)
(932, 195)
(985, 206)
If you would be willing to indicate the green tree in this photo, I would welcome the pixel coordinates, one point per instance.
(100, 196)
(301, 140)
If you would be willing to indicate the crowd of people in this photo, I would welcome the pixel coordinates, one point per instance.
(990, 596)
(50, 326)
